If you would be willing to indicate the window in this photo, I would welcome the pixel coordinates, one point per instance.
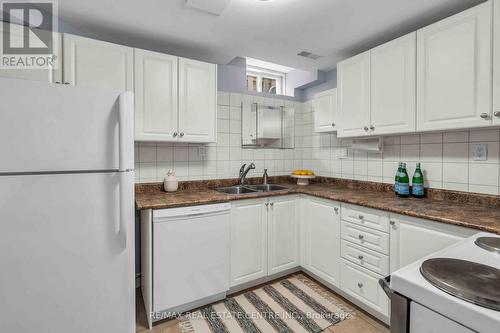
(265, 81)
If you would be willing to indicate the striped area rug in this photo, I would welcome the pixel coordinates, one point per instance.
(293, 304)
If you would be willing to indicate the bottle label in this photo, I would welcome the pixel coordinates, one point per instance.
(418, 189)
(404, 189)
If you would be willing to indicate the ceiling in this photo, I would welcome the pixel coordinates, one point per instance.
(273, 31)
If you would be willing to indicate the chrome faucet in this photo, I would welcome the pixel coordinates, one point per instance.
(265, 177)
(244, 172)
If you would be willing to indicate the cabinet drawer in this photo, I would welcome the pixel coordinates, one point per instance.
(363, 285)
(366, 237)
(369, 259)
(366, 217)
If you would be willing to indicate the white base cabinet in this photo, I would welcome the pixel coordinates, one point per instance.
(322, 239)
(325, 111)
(264, 238)
(413, 239)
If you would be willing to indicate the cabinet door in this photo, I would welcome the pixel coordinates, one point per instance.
(325, 111)
(353, 96)
(48, 75)
(454, 71)
(94, 63)
(496, 63)
(322, 220)
(155, 96)
(248, 241)
(412, 239)
(197, 101)
(393, 81)
(282, 235)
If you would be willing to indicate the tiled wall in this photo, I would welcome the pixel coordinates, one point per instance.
(446, 158)
(217, 160)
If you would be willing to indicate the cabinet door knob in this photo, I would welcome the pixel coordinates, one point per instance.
(336, 209)
(272, 204)
(360, 257)
(360, 285)
(181, 135)
(392, 222)
(366, 128)
(174, 134)
(361, 217)
(497, 114)
(361, 236)
(267, 204)
(333, 124)
(372, 127)
(484, 115)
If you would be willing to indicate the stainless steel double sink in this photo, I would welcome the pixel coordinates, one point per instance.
(248, 189)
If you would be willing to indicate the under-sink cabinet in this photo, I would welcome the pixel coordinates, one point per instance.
(264, 238)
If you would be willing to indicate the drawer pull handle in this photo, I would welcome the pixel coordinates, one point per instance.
(361, 236)
(361, 217)
(360, 285)
(360, 257)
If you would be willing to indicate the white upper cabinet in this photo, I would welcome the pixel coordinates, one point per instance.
(282, 235)
(197, 101)
(90, 62)
(496, 63)
(53, 75)
(393, 80)
(325, 111)
(454, 71)
(156, 107)
(353, 96)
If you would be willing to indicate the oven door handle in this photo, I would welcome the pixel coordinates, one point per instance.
(385, 285)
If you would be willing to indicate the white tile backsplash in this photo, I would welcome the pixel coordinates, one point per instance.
(446, 157)
(218, 160)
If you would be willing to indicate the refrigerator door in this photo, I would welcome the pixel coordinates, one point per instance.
(52, 128)
(67, 253)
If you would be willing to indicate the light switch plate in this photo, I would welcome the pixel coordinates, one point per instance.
(480, 152)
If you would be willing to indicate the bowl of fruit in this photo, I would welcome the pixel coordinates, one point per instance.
(303, 176)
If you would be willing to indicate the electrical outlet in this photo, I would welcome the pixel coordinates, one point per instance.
(342, 153)
(202, 152)
(480, 152)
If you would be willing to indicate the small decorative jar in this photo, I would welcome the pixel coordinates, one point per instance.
(170, 183)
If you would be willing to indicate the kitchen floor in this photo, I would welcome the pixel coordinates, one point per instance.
(361, 322)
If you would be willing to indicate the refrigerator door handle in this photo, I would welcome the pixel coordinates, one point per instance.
(126, 132)
(124, 207)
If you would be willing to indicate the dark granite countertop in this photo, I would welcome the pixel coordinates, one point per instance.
(481, 214)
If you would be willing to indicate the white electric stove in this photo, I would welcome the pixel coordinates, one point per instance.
(421, 306)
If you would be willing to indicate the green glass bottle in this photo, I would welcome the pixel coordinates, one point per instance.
(396, 180)
(404, 183)
(417, 189)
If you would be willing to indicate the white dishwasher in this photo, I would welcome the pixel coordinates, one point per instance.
(191, 256)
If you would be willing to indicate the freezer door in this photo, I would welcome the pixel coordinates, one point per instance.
(50, 127)
(66, 253)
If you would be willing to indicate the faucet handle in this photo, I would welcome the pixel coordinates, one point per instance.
(252, 166)
(242, 169)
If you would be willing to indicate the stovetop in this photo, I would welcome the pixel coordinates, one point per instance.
(469, 281)
(491, 244)
(409, 282)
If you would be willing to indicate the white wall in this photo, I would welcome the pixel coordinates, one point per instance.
(445, 157)
(222, 159)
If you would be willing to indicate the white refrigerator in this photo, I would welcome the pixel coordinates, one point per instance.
(66, 209)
